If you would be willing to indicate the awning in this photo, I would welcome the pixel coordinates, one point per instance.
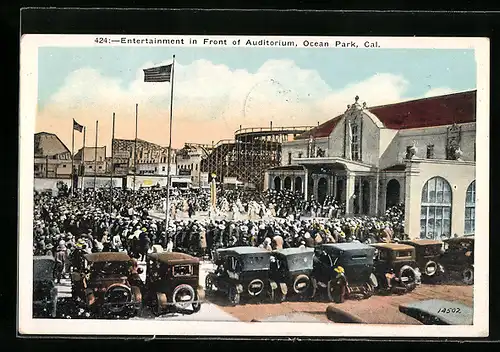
(181, 179)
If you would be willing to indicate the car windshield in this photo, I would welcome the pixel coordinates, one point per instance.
(404, 254)
(431, 250)
(299, 262)
(110, 268)
(383, 255)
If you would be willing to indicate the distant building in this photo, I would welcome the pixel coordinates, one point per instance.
(90, 164)
(52, 157)
(151, 158)
(189, 160)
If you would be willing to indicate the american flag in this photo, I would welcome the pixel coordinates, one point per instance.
(158, 74)
(77, 126)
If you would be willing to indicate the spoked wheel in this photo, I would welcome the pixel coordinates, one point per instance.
(301, 286)
(183, 296)
(468, 276)
(233, 296)
(431, 269)
(368, 289)
(311, 293)
(156, 304)
(279, 297)
(336, 292)
(407, 277)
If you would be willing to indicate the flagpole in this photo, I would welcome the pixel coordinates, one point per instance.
(167, 202)
(135, 144)
(112, 165)
(95, 158)
(72, 158)
(83, 160)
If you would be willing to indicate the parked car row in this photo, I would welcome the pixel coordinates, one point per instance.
(109, 285)
(341, 269)
(109, 282)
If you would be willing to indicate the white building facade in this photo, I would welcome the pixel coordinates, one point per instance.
(420, 153)
(189, 163)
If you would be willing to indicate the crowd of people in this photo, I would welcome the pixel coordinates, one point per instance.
(67, 226)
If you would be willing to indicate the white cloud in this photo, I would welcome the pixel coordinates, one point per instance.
(210, 101)
(204, 91)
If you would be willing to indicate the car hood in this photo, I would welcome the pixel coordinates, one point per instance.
(446, 312)
(109, 280)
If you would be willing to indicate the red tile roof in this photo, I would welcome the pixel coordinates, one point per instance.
(323, 130)
(426, 112)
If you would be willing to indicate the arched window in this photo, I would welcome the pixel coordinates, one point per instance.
(435, 210)
(470, 209)
(288, 182)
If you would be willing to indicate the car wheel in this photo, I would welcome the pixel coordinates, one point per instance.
(157, 303)
(273, 294)
(468, 276)
(233, 296)
(279, 296)
(430, 268)
(312, 288)
(407, 277)
(183, 296)
(301, 284)
(373, 281)
(336, 292)
(369, 289)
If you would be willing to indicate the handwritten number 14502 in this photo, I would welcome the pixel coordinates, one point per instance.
(449, 310)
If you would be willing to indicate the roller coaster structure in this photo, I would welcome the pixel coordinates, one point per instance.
(249, 154)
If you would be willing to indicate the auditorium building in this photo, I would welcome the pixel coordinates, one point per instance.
(421, 153)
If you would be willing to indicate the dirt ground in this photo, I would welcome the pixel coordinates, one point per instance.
(374, 310)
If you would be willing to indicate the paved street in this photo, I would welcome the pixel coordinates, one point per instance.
(375, 310)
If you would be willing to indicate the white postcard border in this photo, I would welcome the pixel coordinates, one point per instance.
(77, 327)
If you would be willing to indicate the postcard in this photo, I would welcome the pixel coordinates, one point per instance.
(216, 186)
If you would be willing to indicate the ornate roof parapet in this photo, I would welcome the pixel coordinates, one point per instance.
(356, 105)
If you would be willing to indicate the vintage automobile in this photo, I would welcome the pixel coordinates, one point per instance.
(428, 256)
(344, 269)
(439, 312)
(396, 269)
(458, 257)
(172, 283)
(242, 271)
(107, 285)
(291, 269)
(44, 287)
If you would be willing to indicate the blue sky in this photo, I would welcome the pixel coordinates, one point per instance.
(423, 68)
(219, 89)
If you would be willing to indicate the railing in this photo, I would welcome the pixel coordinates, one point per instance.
(273, 129)
(223, 141)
